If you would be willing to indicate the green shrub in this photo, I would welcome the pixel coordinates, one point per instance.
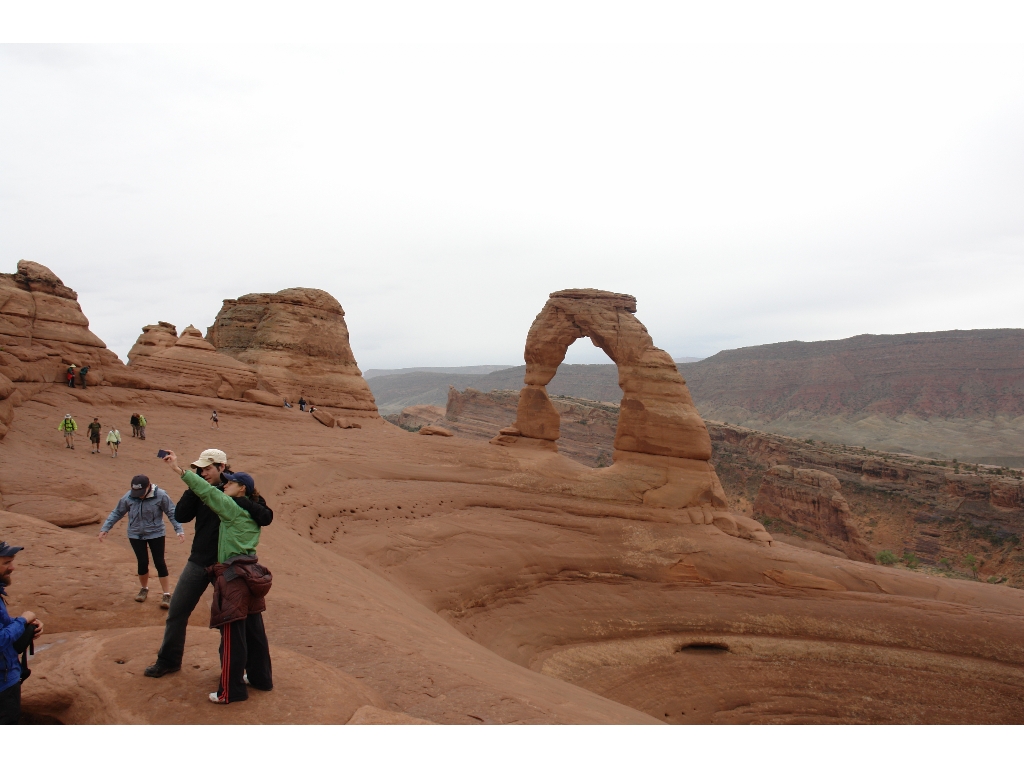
(911, 559)
(944, 562)
(885, 557)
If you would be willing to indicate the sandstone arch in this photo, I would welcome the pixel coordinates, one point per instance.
(657, 415)
(662, 447)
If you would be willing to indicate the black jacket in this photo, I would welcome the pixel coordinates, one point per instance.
(204, 545)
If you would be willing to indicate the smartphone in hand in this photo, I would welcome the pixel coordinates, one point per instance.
(161, 453)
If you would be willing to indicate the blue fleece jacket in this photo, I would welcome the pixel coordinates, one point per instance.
(10, 630)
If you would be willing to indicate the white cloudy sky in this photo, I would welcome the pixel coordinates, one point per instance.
(752, 173)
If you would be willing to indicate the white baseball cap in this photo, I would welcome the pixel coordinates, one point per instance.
(210, 456)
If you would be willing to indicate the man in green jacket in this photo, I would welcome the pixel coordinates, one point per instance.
(68, 427)
(244, 647)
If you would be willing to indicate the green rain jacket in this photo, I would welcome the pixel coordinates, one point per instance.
(239, 534)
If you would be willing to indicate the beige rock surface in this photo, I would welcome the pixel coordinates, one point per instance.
(297, 342)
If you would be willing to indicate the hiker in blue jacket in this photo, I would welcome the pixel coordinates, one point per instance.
(14, 633)
(146, 505)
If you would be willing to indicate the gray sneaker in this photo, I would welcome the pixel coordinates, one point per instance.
(143, 594)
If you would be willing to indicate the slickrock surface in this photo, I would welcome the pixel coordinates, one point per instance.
(463, 582)
(190, 366)
(297, 342)
(937, 510)
(812, 501)
(42, 332)
(459, 581)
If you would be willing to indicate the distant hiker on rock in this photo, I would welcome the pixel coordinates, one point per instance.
(82, 374)
(142, 427)
(302, 403)
(240, 584)
(94, 434)
(71, 376)
(146, 504)
(16, 636)
(134, 420)
(212, 466)
(68, 427)
(113, 441)
(214, 421)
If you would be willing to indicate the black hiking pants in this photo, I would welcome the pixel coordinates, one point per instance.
(190, 588)
(244, 650)
(10, 705)
(139, 546)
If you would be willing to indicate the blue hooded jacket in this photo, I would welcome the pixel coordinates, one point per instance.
(10, 630)
(145, 516)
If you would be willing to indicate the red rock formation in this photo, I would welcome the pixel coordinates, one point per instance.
(42, 332)
(432, 429)
(190, 366)
(661, 443)
(297, 342)
(657, 413)
(812, 501)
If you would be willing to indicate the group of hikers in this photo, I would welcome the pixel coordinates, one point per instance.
(229, 514)
(81, 373)
(68, 426)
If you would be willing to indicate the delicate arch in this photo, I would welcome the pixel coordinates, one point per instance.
(657, 415)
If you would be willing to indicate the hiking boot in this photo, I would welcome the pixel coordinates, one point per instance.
(143, 594)
(165, 601)
(160, 669)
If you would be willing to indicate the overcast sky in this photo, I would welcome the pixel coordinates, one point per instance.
(751, 173)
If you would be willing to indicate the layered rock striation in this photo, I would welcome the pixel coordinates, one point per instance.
(190, 365)
(812, 501)
(297, 342)
(43, 331)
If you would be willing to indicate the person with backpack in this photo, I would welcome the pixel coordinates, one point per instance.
(71, 375)
(68, 427)
(142, 427)
(240, 585)
(146, 504)
(212, 466)
(134, 420)
(16, 636)
(302, 403)
(94, 434)
(82, 374)
(113, 441)
(214, 421)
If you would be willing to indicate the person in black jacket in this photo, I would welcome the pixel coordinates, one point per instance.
(194, 580)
